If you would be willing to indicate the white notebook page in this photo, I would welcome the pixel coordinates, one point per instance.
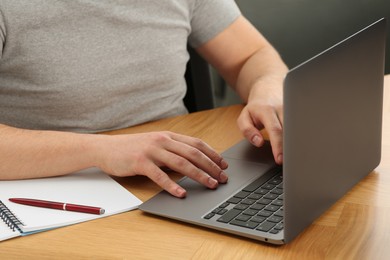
(89, 187)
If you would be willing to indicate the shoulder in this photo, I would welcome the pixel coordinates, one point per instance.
(209, 18)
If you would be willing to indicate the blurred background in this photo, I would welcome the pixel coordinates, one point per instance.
(300, 29)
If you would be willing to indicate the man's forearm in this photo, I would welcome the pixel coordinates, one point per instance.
(264, 67)
(33, 154)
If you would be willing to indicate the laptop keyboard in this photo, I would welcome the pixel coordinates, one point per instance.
(258, 206)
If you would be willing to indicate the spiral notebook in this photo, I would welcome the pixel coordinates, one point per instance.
(87, 187)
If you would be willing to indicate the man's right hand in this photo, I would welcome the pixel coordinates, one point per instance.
(146, 153)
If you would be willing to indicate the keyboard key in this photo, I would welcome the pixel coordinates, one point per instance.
(250, 212)
(264, 201)
(258, 219)
(234, 200)
(254, 185)
(224, 205)
(274, 219)
(254, 196)
(257, 206)
(268, 186)
(241, 206)
(222, 211)
(272, 208)
(265, 226)
(274, 231)
(261, 191)
(264, 213)
(228, 216)
(248, 224)
(277, 180)
(248, 201)
(270, 196)
(279, 226)
(210, 215)
(242, 194)
(277, 191)
(277, 203)
(279, 213)
(243, 217)
(215, 211)
(258, 182)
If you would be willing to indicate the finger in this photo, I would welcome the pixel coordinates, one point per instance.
(280, 115)
(191, 162)
(248, 127)
(274, 127)
(162, 179)
(203, 147)
(181, 165)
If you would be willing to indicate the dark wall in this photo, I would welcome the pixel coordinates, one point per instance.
(300, 29)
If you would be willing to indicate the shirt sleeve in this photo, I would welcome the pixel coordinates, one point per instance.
(210, 17)
(2, 33)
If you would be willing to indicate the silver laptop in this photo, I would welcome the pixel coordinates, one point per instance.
(332, 140)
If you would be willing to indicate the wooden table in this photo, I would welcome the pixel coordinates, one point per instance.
(356, 227)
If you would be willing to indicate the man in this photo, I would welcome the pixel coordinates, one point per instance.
(72, 68)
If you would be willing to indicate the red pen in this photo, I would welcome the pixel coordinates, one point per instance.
(58, 205)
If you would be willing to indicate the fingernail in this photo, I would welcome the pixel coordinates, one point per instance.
(256, 140)
(213, 183)
(224, 164)
(180, 192)
(223, 178)
(280, 158)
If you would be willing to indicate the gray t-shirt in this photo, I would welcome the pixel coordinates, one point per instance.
(88, 66)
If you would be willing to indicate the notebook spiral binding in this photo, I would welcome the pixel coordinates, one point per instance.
(9, 218)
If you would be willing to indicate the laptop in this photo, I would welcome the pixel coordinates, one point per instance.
(332, 140)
